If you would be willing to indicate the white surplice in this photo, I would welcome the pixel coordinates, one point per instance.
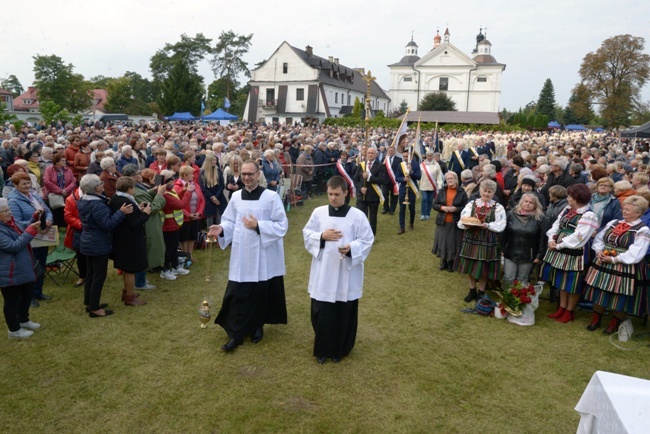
(331, 278)
(255, 257)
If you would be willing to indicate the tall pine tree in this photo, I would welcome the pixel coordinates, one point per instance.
(546, 101)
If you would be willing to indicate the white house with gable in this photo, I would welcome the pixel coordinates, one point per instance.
(472, 82)
(296, 85)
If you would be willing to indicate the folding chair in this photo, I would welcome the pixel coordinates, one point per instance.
(60, 261)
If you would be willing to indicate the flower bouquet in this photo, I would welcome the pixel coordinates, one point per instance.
(516, 298)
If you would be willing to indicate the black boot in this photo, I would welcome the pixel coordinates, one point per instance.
(480, 295)
(258, 335)
(471, 295)
(231, 345)
(450, 266)
(443, 264)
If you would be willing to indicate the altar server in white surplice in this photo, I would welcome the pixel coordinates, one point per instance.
(254, 223)
(339, 238)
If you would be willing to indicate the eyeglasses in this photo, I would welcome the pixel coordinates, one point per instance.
(248, 174)
(5, 210)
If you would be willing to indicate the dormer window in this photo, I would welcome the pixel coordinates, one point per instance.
(481, 79)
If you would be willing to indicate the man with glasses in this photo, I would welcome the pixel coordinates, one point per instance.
(255, 224)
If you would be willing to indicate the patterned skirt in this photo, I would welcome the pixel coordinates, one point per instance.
(564, 269)
(618, 287)
(480, 254)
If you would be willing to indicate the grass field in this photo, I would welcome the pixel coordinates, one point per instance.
(419, 365)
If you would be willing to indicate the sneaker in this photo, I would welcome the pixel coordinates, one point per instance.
(147, 286)
(20, 334)
(180, 270)
(423, 217)
(167, 275)
(30, 325)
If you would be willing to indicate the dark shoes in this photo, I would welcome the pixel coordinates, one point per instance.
(595, 322)
(335, 359)
(450, 266)
(35, 303)
(443, 265)
(96, 315)
(401, 231)
(411, 226)
(383, 212)
(101, 306)
(42, 297)
(321, 360)
(231, 345)
(612, 327)
(258, 335)
(471, 295)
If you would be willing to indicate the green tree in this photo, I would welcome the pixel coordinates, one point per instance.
(546, 100)
(357, 108)
(12, 84)
(437, 101)
(615, 74)
(119, 95)
(57, 82)
(580, 105)
(228, 57)
(52, 112)
(100, 82)
(189, 50)
(181, 91)
(403, 106)
(218, 90)
(141, 88)
(5, 116)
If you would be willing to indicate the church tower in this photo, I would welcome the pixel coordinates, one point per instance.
(411, 48)
(446, 35)
(479, 38)
(436, 39)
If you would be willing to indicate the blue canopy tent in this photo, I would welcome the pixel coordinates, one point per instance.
(185, 116)
(598, 130)
(554, 124)
(575, 128)
(220, 115)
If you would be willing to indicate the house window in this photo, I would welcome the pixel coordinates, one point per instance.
(336, 97)
(285, 68)
(348, 99)
(481, 79)
(408, 78)
(300, 94)
(444, 83)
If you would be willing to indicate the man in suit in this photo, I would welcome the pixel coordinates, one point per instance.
(459, 160)
(390, 187)
(368, 178)
(408, 178)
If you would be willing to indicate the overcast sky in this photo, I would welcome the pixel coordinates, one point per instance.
(536, 40)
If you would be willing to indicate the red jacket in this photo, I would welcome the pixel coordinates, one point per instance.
(179, 187)
(174, 204)
(51, 185)
(71, 216)
(69, 154)
(81, 163)
(156, 168)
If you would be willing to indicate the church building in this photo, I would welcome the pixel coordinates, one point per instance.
(472, 81)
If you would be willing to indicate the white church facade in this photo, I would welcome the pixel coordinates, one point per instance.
(473, 81)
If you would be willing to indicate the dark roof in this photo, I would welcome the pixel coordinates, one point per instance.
(407, 61)
(348, 78)
(486, 59)
(411, 44)
(454, 117)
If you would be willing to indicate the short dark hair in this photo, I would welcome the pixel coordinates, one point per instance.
(580, 193)
(337, 181)
(56, 158)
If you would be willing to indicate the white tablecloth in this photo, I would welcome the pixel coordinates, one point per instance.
(614, 403)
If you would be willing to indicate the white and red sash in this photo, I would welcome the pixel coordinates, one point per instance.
(425, 169)
(347, 178)
(391, 175)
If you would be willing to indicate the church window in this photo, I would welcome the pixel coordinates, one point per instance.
(481, 79)
(285, 68)
(443, 84)
(408, 78)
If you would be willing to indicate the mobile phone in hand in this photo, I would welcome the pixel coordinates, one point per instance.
(158, 180)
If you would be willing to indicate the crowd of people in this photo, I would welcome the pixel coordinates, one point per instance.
(570, 208)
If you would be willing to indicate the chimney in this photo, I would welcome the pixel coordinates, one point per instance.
(309, 50)
(331, 59)
(336, 60)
